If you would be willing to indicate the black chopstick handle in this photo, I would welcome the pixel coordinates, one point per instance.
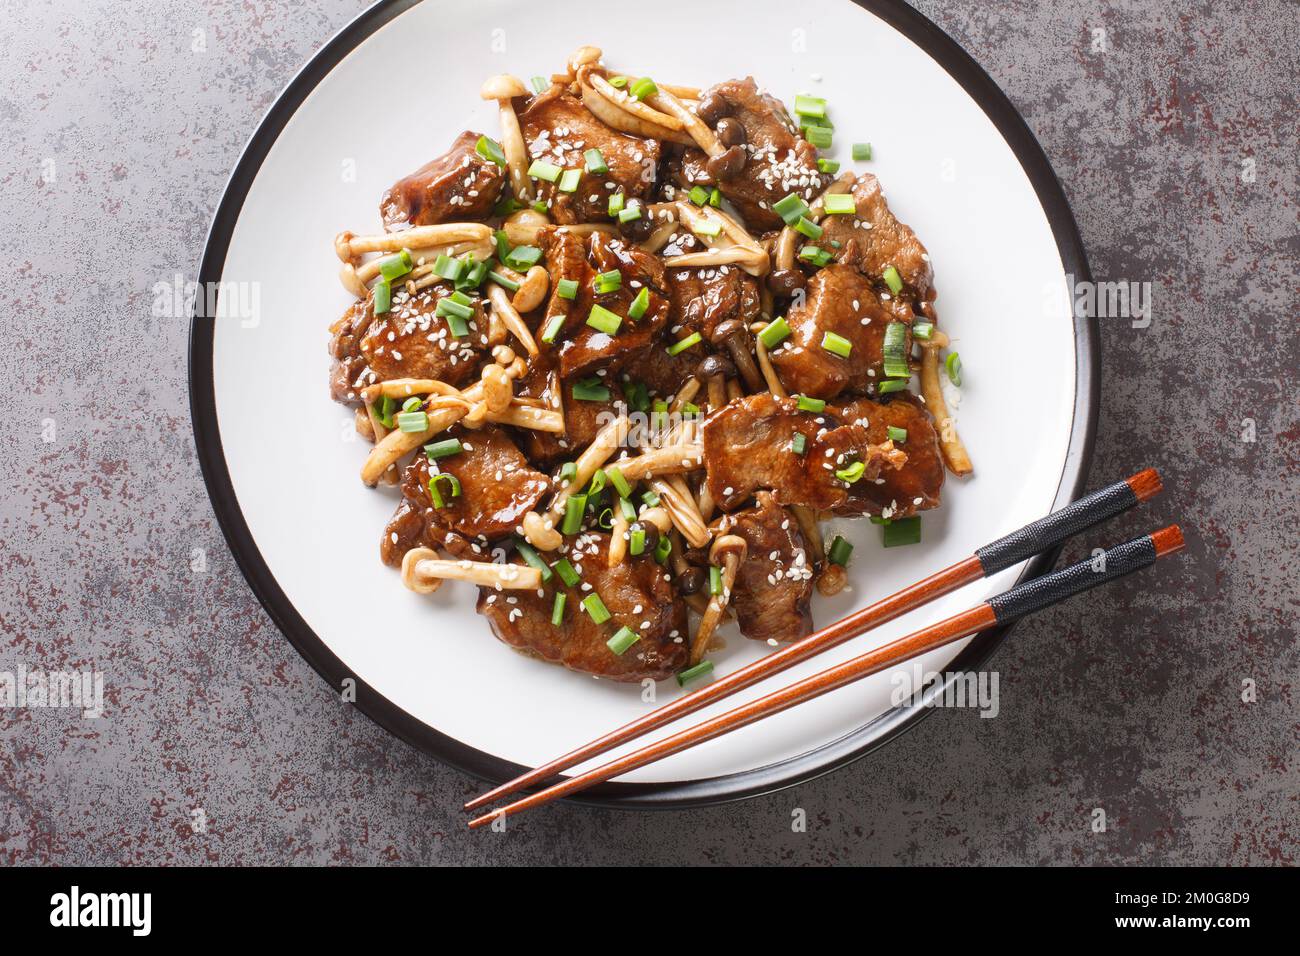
(1050, 531)
(1050, 588)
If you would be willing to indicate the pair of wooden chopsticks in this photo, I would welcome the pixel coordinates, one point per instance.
(1023, 599)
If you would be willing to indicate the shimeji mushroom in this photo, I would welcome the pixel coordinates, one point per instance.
(424, 243)
(954, 452)
(503, 307)
(619, 110)
(744, 250)
(504, 88)
(423, 572)
(726, 554)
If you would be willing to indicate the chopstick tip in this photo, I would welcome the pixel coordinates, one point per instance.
(1167, 540)
(1146, 484)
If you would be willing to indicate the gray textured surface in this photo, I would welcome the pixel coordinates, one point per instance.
(1132, 704)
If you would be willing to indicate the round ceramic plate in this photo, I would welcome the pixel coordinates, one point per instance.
(281, 460)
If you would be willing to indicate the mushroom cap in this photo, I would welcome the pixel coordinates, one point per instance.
(503, 86)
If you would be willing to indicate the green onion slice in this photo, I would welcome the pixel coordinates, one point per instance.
(892, 385)
(596, 608)
(643, 88)
(701, 669)
(892, 279)
(640, 304)
(663, 548)
(953, 364)
(553, 328)
(923, 331)
(533, 559)
(799, 443)
(398, 264)
(861, 150)
(902, 531)
(557, 609)
(853, 473)
(615, 476)
(808, 228)
(521, 258)
(610, 281)
(547, 171)
(443, 449)
(682, 345)
(491, 150)
(840, 551)
(573, 511)
(715, 579)
(623, 638)
(413, 422)
(636, 542)
(774, 333)
(567, 288)
(504, 281)
(809, 404)
(590, 390)
(699, 195)
(837, 344)
(566, 572)
(791, 208)
(897, 435)
(840, 204)
(604, 320)
(595, 161)
(383, 297)
(895, 351)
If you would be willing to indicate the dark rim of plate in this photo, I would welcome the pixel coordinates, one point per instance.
(776, 776)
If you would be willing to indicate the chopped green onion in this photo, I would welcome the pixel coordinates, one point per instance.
(590, 390)
(650, 498)
(573, 511)
(805, 105)
(639, 305)
(810, 404)
(615, 475)
(840, 204)
(453, 486)
(699, 195)
(383, 297)
(715, 197)
(922, 330)
(595, 161)
(412, 422)
(902, 531)
(840, 551)
(618, 82)
(798, 443)
(953, 364)
(853, 473)
(638, 396)
(895, 351)
(681, 345)
(892, 385)
(861, 150)
(504, 281)
(610, 281)
(541, 83)
(643, 88)
(707, 228)
(819, 136)
(412, 404)
(566, 572)
(623, 638)
(615, 204)
(828, 166)
(521, 258)
(557, 609)
(542, 170)
(385, 409)
(491, 150)
(473, 278)
(541, 206)
(628, 509)
(597, 485)
(837, 344)
(567, 288)
(447, 267)
(443, 449)
(455, 314)
(818, 257)
(553, 328)
(636, 542)
(568, 471)
(506, 206)
(604, 320)
(631, 213)
(533, 559)
(808, 228)
(774, 333)
(398, 264)
(664, 547)
(791, 208)
(691, 673)
(892, 279)
(596, 608)
(896, 435)
(502, 240)
(569, 180)
(715, 579)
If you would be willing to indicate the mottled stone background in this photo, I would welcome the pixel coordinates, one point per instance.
(1174, 133)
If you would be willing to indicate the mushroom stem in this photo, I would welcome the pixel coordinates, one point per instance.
(503, 307)
(728, 550)
(350, 248)
(769, 371)
(682, 509)
(423, 572)
(812, 533)
(666, 102)
(954, 452)
(601, 449)
(670, 460)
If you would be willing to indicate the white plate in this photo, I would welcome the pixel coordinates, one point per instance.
(391, 92)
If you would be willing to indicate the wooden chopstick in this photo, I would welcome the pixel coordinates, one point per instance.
(1001, 554)
(1023, 599)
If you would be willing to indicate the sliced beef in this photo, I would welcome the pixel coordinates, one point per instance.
(582, 348)
(634, 592)
(912, 488)
(458, 186)
(558, 130)
(348, 370)
(410, 341)
(777, 161)
(702, 299)
(839, 300)
(748, 447)
(871, 240)
(775, 583)
(498, 487)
